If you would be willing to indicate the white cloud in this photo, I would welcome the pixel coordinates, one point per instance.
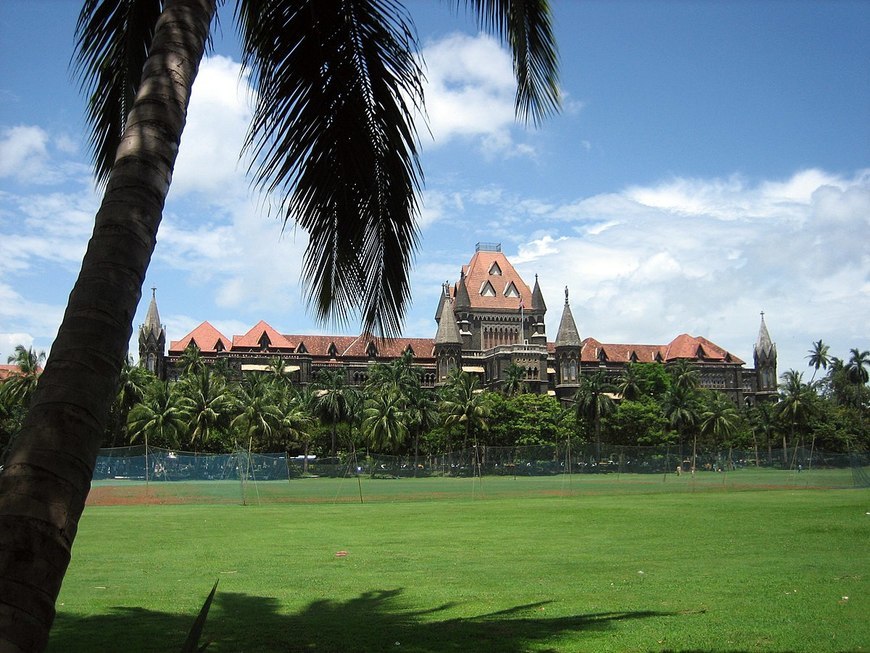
(469, 93)
(218, 119)
(23, 152)
(705, 256)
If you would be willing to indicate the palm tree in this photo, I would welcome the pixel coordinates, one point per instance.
(257, 414)
(422, 413)
(628, 384)
(795, 407)
(160, 416)
(681, 407)
(207, 402)
(21, 385)
(684, 375)
(332, 401)
(298, 420)
(513, 380)
(191, 361)
(592, 401)
(384, 425)
(858, 367)
(332, 134)
(463, 403)
(818, 357)
(134, 380)
(718, 421)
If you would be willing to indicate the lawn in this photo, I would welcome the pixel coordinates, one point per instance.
(460, 565)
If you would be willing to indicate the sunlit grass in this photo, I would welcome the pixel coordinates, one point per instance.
(710, 571)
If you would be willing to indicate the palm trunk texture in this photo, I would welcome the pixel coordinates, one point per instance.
(48, 473)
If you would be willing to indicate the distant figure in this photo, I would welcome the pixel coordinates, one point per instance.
(679, 470)
(800, 468)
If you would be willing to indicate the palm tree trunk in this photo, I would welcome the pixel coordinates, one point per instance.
(48, 472)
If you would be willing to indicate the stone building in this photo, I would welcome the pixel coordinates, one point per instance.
(487, 321)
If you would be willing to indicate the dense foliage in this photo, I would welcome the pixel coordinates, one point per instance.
(647, 405)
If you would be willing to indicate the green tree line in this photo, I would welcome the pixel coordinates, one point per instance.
(648, 404)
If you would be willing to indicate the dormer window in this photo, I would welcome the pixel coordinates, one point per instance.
(511, 290)
(332, 352)
(302, 349)
(486, 290)
(264, 342)
(219, 345)
(602, 356)
(633, 357)
(371, 350)
(409, 350)
(700, 352)
(658, 357)
(494, 269)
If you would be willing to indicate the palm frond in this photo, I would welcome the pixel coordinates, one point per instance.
(333, 136)
(525, 26)
(113, 38)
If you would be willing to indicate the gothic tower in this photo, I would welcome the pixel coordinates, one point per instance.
(448, 341)
(152, 340)
(568, 346)
(764, 355)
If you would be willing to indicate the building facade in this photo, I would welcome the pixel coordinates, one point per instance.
(488, 321)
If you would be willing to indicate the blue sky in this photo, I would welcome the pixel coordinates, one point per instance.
(712, 160)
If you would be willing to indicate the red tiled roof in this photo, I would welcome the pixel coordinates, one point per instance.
(252, 339)
(206, 338)
(697, 347)
(477, 274)
(683, 346)
(13, 370)
(357, 346)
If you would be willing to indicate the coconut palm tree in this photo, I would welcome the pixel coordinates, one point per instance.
(21, 385)
(858, 367)
(682, 409)
(384, 425)
(207, 403)
(332, 401)
(132, 385)
(463, 403)
(513, 383)
(629, 383)
(684, 375)
(818, 357)
(332, 136)
(258, 415)
(795, 407)
(592, 402)
(191, 361)
(159, 417)
(422, 413)
(719, 420)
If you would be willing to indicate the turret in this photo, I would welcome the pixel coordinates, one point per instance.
(764, 356)
(448, 341)
(567, 354)
(152, 340)
(539, 310)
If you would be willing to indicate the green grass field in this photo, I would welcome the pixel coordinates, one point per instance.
(507, 565)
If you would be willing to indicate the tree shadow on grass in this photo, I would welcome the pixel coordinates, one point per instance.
(373, 621)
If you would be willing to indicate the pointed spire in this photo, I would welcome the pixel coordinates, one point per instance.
(462, 298)
(448, 331)
(764, 346)
(445, 293)
(538, 303)
(568, 335)
(152, 323)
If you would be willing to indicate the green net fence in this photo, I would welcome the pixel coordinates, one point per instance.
(164, 465)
